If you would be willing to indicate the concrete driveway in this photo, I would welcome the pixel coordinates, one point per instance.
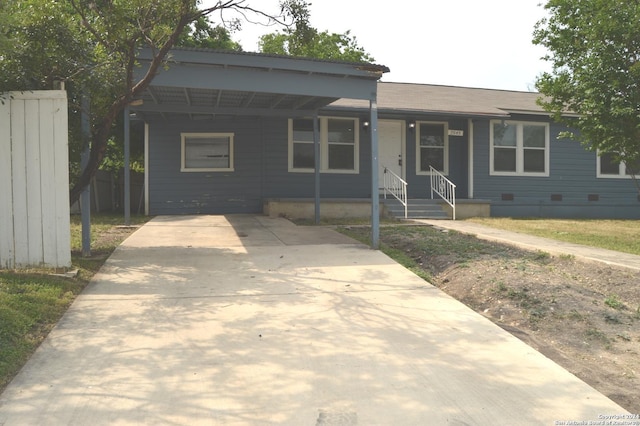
(246, 320)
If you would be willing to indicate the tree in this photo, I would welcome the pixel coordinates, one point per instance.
(5, 19)
(301, 39)
(92, 46)
(594, 49)
(201, 33)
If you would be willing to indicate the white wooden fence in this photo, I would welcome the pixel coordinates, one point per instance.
(34, 180)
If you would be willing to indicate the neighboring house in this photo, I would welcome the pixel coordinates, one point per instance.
(217, 148)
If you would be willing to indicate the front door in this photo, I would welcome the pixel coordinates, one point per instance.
(390, 148)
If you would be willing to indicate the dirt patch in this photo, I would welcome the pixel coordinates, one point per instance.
(583, 315)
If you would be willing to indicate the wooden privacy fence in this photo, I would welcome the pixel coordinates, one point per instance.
(34, 180)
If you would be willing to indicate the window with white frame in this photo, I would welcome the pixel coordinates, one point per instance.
(519, 148)
(301, 137)
(206, 152)
(338, 139)
(608, 167)
(432, 147)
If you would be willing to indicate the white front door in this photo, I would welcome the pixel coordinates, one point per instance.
(390, 148)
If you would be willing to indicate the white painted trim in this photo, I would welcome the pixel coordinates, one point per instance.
(185, 169)
(324, 148)
(622, 171)
(446, 147)
(290, 167)
(33, 173)
(61, 159)
(520, 149)
(324, 165)
(19, 180)
(48, 197)
(403, 143)
(146, 168)
(470, 156)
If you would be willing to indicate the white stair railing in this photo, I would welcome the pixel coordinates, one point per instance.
(397, 187)
(444, 188)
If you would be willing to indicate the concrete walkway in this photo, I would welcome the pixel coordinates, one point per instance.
(245, 320)
(530, 242)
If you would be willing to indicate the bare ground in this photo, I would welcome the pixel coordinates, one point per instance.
(583, 315)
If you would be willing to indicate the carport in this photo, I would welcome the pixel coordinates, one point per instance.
(205, 84)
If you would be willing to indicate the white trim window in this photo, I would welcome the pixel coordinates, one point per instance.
(432, 147)
(301, 149)
(609, 168)
(519, 148)
(206, 152)
(339, 145)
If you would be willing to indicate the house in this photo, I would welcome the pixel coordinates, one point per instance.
(238, 132)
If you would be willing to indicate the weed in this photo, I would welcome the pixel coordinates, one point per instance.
(464, 264)
(612, 318)
(536, 315)
(595, 334)
(575, 315)
(612, 301)
(542, 256)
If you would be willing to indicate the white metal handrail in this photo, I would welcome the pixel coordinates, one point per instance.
(444, 188)
(396, 186)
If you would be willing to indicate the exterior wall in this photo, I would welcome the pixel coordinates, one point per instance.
(174, 192)
(280, 183)
(261, 167)
(419, 185)
(572, 176)
(261, 170)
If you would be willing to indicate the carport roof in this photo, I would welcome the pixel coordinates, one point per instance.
(203, 83)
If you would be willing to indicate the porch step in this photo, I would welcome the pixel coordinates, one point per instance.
(416, 209)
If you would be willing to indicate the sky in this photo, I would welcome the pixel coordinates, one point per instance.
(471, 43)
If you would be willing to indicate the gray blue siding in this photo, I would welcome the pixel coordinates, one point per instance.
(420, 185)
(261, 171)
(565, 193)
(172, 191)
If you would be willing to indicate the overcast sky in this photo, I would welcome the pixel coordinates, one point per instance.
(469, 43)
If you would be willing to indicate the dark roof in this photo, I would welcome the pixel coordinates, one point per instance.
(202, 83)
(434, 99)
(182, 53)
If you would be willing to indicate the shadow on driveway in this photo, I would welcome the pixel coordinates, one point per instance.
(244, 320)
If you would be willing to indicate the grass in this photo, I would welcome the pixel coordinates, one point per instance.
(32, 301)
(619, 235)
(614, 302)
